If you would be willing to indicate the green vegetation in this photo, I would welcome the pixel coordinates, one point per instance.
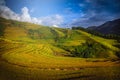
(1, 30)
(35, 52)
(107, 36)
(89, 50)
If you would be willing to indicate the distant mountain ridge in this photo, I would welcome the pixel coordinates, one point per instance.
(110, 27)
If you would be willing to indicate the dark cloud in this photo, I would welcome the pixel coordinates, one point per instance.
(105, 5)
(2, 2)
(97, 12)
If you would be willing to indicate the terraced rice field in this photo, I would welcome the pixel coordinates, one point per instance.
(20, 61)
(34, 52)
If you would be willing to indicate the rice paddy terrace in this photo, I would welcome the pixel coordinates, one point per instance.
(34, 52)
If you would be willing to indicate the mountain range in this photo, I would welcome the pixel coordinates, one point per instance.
(110, 27)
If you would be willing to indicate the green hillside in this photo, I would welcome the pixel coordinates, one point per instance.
(26, 48)
(68, 41)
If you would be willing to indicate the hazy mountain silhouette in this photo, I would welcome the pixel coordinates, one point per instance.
(110, 27)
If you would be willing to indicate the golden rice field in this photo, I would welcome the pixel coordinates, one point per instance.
(20, 61)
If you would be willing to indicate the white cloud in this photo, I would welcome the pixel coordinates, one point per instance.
(7, 13)
(55, 26)
(52, 20)
(25, 15)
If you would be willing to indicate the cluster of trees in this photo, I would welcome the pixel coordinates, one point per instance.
(81, 28)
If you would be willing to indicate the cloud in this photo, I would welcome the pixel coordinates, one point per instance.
(25, 15)
(2, 2)
(104, 5)
(82, 5)
(92, 18)
(55, 26)
(7, 13)
(52, 20)
(97, 12)
(77, 13)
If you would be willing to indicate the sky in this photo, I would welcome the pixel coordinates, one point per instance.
(61, 13)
